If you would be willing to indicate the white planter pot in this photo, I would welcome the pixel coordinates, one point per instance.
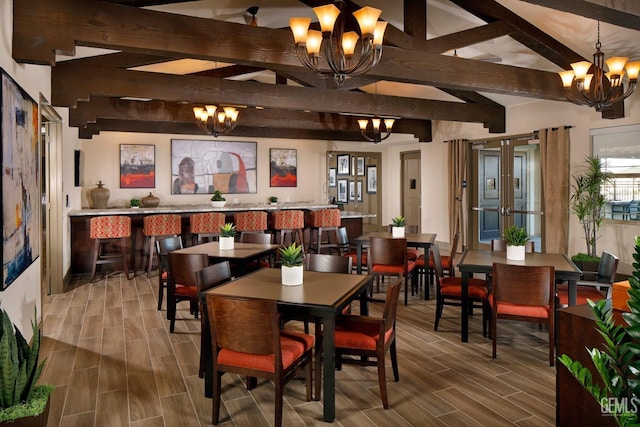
(397, 231)
(515, 253)
(226, 243)
(292, 276)
(218, 204)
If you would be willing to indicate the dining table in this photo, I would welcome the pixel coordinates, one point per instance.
(241, 254)
(481, 261)
(414, 240)
(321, 296)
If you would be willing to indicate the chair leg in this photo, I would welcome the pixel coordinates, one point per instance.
(318, 362)
(279, 401)
(152, 243)
(494, 332)
(96, 255)
(382, 380)
(161, 286)
(439, 307)
(125, 264)
(394, 361)
(217, 380)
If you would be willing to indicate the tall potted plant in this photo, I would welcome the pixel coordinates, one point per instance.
(516, 238)
(292, 259)
(227, 236)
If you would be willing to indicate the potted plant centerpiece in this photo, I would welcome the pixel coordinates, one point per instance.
(397, 226)
(273, 200)
(292, 259)
(22, 402)
(135, 203)
(516, 238)
(227, 236)
(217, 201)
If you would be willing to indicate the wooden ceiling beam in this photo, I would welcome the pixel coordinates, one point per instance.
(621, 13)
(468, 37)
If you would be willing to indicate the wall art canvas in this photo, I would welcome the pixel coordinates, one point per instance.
(204, 166)
(332, 177)
(372, 179)
(343, 164)
(283, 167)
(20, 181)
(342, 191)
(137, 166)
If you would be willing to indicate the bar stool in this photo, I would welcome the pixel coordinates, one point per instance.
(155, 226)
(104, 229)
(323, 221)
(205, 226)
(288, 222)
(250, 221)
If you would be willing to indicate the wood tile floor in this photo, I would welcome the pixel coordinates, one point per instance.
(114, 363)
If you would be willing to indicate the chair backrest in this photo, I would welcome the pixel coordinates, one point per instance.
(250, 221)
(206, 222)
(161, 225)
(607, 268)
(254, 237)
(384, 251)
(326, 263)
(454, 249)
(288, 220)
(325, 218)
(524, 285)
(213, 275)
(437, 261)
(110, 227)
(244, 325)
(500, 245)
(164, 246)
(342, 240)
(183, 267)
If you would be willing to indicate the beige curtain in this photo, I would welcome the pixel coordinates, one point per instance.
(457, 176)
(554, 154)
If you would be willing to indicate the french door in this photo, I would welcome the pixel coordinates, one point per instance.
(507, 190)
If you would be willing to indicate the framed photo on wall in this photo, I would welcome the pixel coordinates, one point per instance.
(360, 166)
(342, 191)
(359, 190)
(137, 166)
(343, 164)
(352, 191)
(332, 177)
(372, 179)
(283, 167)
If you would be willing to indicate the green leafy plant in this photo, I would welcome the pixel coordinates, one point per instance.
(619, 364)
(397, 221)
(135, 203)
(227, 230)
(217, 196)
(273, 199)
(19, 372)
(587, 201)
(291, 256)
(516, 236)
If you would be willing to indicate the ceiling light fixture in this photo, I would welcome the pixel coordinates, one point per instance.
(599, 89)
(378, 127)
(214, 120)
(338, 47)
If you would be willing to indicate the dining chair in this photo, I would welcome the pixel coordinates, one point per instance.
(347, 249)
(412, 253)
(262, 239)
(595, 290)
(208, 278)
(103, 229)
(164, 246)
(368, 337)
(423, 266)
(524, 293)
(181, 283)
(449, 292)
(388, 257)
(205, 226)
(247, 340)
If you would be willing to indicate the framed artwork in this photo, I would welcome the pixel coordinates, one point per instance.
(20, 180)
(353, 165)
(360, 166)
(342, 191)
(352, 191)
(283, 169)
(359, 190)
(204, 166)
(343, 164)
(332, 177)
(372, 179)
(137, 166)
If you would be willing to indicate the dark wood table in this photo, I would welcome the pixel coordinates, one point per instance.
(481, 261)
(322, 295)
(416, 240)
(242, 253)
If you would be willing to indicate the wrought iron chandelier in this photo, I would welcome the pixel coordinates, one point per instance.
(214, 120)
(376, 129)
(338, 47)
(599, 89)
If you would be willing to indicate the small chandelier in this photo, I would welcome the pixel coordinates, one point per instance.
(216, 123)
(338, 47)
(600, 89)
(378, 127)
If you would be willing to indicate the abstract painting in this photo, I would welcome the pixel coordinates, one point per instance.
(20, 181)
(137, 166)
(283, 167)
(204, 166)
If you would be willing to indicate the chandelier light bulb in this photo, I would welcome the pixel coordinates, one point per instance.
(214, 120)
(327, 16)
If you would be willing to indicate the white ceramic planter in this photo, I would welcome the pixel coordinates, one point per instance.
(515, 253)
(218, 203)
(397, 231)
(292, 276)
(226, 243)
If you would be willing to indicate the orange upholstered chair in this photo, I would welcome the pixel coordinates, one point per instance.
(347, 249)
(250, 221)
(448, 264)
(155, 226)
(288, 222)
(181, 283)
(163, 247)
(107, 228)
(412, 253)
(323, 221)
(205, 225)
(525, 293)
(388, 257)
(247, 340)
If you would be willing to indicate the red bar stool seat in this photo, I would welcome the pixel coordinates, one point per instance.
(323, 221)
(205, 226)
(109, 228)
(250, 221)
(288, 222)
(155, 226)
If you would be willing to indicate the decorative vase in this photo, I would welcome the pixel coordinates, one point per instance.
(150, 201)
(515, 253)
(226, 243)
(397, 231)
(292, 276)
(100, 196)
(218, 203)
